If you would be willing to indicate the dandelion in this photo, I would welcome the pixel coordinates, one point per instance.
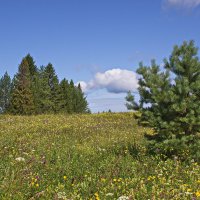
(114, 179)
(198, 193)
(96, 196)
(65, 178)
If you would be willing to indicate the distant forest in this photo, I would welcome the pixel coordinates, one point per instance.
(37, 90)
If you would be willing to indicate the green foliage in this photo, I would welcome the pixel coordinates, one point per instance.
(131, 104)
(5, 91)
(53, 84)
(22, 97)
(38, 90)
(170, 102)
(80, 105)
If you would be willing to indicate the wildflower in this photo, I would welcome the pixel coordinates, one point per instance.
(20, 159)
(96, 196)
(62, 195)
(109, 194)
(198, 193)
(37, 185)
(103, 180)
(123, 198)
(119, 180)
(32, 183)
(65, 178)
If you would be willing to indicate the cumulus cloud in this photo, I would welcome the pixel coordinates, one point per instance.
(183, 3)
(114, 80)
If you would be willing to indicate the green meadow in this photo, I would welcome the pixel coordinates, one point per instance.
(91, 156)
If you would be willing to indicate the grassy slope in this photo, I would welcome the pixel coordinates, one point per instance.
(74, 157)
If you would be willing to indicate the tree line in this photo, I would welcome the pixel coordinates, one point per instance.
(37, 90)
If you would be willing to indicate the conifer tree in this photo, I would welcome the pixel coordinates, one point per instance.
(72, 96)
(81, 105)
(53, 83)
(170, 102)
(131, 104)
(31, 64)
(34, 78)
(44, 101)
(22, 98)
(5, 91)
(64, 96)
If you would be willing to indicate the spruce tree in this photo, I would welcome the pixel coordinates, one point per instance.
(22, 98)
(31, 64)
(72, 96)
(64, 96)
(44, 101)
(170, 102)
(34, 78)
(80, 102)
(53, 83)
(5, 91)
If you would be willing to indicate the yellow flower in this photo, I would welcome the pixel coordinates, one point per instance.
(32, 183)
(103, 180)
(37, 185)
(119, 180)
(189, 190)
(65, 178)
(198, 193)
(198, 181)
(96, 196)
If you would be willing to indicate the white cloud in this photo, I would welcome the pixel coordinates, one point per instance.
(114, 80)
(183, 3)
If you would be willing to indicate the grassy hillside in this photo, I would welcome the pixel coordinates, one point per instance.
(99, 156)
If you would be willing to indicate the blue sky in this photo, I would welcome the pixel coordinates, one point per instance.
(94, 41)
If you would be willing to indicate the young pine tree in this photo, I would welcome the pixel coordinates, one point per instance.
(5, 91)
(22, 98)
(131, 104)
(170, 102)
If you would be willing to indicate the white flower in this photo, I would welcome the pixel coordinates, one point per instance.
(61, 195)
(123, 198)
(109, 194)
(20, 159)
